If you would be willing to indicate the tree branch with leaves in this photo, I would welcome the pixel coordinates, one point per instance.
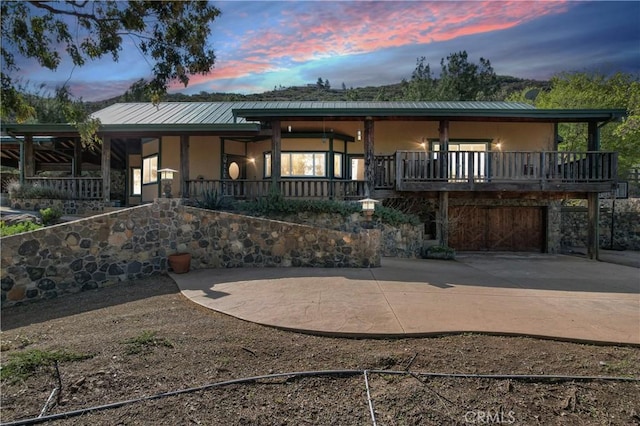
(170, 35)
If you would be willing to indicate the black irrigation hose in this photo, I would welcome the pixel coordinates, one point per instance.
(524, 377)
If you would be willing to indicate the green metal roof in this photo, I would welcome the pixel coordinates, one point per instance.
(245, 117)
(512, 111)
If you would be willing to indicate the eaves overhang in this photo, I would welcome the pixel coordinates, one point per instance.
(128, 129)
(542, 115)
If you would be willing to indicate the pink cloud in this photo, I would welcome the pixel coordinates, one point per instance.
(345, 28)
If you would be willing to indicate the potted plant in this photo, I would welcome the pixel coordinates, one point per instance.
(180, 262)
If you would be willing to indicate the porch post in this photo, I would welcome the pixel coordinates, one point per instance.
(444, 147)
(106, 169)
(369, 160)
(443, 220)
(276, 160)
(29, 159)
(77, 157)
(184, 165)
(593, 199)
(593, 142)
(593, 232)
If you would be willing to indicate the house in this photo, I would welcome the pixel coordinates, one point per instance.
(489, 173)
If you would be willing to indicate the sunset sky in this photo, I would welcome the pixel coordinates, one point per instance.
(260, 45)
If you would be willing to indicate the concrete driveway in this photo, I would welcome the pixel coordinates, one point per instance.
(541, 295)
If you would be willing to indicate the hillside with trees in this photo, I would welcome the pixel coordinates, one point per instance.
(459, 79)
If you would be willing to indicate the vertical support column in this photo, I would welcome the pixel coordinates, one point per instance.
(29, 159)
(443, 222)
(444, 147)
(106, 169)
(276, 158)
(184, 166)
(77, 157)
(331, 168)
(369, 160)
(593, 232)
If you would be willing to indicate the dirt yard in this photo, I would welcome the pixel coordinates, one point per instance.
(144, 338)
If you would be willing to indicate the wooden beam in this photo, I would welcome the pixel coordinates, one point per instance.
(443, 138)
(184, 165)
(593, 231)
(106, 168)
(77, 157)
(593, 143)
(276, 157)
(369, 160)
(443, 219)
(29, 158)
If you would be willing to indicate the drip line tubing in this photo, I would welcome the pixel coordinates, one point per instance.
(317, 373)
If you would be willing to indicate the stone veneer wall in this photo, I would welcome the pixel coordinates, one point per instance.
(397, 241)
(70, 207)
(134, 243)
(626, 224)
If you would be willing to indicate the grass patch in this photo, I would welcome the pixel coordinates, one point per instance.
(21, 365)
(145, 342)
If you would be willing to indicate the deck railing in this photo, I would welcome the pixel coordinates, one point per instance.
(505, 167)
(75, 188)
(291, 188)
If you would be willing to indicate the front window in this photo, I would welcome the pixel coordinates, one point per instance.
(136, 181)
(299, 164)
(150, 169)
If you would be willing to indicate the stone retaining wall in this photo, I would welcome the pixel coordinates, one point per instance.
(403, 240)
(134, 243)
(626, 224)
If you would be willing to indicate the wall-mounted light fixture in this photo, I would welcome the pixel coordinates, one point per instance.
(289, 128)
(368, 207)
(166, 178)
(359, 135)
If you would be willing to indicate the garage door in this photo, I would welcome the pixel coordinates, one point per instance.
(475, 228)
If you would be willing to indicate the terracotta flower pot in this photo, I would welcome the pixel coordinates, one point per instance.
(180, 262)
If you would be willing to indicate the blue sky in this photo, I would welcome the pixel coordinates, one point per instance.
(260, 45)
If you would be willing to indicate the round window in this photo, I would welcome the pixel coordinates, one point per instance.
(234, 171)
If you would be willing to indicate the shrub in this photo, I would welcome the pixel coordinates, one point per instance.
(50, 215)
(16, 190)
(18, 228)
(212, 200)
(275, 204)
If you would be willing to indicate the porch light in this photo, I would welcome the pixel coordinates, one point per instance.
(359, 134)
(166, 177)
(368, 207)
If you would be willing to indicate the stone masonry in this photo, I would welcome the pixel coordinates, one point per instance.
(134, 243)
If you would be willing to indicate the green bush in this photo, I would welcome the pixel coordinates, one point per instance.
(212, 200)
(275, 204)
(18, 228)
(50, 215)
(16, 190)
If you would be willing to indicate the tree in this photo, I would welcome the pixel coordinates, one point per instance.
(422, 86)
(461, 80)
(592, 90)
(172, 34)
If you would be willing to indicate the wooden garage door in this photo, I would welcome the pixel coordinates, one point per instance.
(496, 228)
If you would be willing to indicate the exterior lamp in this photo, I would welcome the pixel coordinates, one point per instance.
(368, 207)
(166, 177)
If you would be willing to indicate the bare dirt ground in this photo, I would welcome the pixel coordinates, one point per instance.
(192, 347)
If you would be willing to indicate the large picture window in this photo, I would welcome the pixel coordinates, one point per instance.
(299, 164)
(150, 169)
